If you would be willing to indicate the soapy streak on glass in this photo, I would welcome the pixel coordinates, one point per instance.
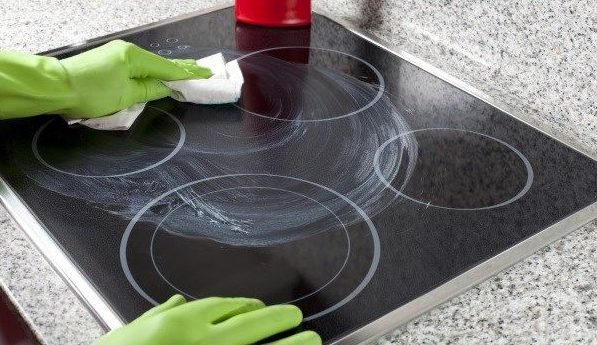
(161, 226)
(204, 209)
(247, 216)
(344, 148)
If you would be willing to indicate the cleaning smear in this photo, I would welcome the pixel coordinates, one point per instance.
(224, 86)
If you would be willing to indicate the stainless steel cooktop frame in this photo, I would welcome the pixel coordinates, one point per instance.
(108, 317)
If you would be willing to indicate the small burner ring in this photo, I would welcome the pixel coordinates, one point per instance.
(520, 194)
(378, 96)
(179, 145)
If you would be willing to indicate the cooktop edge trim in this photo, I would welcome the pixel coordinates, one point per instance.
(58, 259)
(469, 278)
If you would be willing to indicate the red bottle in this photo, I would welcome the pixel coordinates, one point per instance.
(274, 13)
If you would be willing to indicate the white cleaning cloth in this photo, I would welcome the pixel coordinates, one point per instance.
(218, 89)
(120, 121)
(224, 86)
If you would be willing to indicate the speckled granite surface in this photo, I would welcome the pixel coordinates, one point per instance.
(536, 57)
(53, 311)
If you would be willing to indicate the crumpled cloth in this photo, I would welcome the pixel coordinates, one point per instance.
(224, 86)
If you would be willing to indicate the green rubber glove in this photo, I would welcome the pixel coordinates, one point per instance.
(212, 321)
(95, 83)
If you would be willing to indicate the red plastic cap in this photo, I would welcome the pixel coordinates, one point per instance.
(276, 13)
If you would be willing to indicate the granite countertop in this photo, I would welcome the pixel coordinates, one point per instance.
(536, 58)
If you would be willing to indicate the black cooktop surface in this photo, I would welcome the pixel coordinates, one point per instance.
(346, 180)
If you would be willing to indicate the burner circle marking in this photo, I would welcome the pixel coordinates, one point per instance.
(165, 52)
(179, 145)
(381, 87)
(368, 276)
(270, 188)
(171, 40)
(520, 194)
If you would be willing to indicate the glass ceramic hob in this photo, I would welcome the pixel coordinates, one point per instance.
(346, 180)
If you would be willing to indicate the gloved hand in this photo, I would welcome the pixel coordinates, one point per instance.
(212, 321)
(95, 83)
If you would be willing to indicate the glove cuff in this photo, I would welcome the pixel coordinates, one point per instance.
(33, 85)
